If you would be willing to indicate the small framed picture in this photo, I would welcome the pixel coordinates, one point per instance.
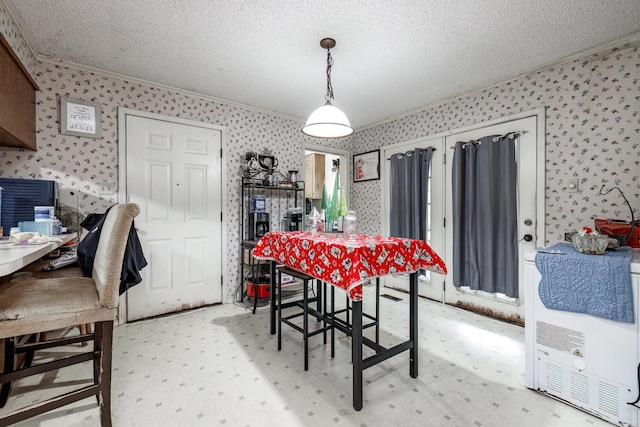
(366, 166)
(80, 118)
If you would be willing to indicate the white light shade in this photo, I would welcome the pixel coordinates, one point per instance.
(327, 122)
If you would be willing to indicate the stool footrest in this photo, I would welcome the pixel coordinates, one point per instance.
(295, 273)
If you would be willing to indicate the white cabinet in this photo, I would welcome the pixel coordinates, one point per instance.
(314, 166)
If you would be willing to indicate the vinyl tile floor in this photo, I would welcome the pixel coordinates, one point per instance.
(219, 366)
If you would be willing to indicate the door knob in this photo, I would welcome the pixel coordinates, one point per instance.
(528, 237)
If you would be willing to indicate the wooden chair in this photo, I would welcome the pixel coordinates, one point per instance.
(37, 270)
(32, 306)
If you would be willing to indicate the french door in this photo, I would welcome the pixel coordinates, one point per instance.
(430, 285)
(527, 212)
(530, 191)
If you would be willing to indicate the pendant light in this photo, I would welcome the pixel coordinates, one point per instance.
(328, 121)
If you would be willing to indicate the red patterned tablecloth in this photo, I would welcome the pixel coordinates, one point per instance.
(347, 262)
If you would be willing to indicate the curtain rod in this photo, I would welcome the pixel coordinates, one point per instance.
(432, 150)
(511, 135)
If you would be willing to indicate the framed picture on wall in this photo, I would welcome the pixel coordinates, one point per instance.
(80, 118)
(366, 166)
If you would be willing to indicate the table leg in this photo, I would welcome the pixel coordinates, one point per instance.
(333, 325)
(272, 308)
(413, 324)
(356, 354)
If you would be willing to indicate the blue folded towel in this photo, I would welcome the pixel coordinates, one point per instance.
(599, 285)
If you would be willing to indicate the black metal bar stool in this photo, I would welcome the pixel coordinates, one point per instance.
(374, 319)
(305, 312)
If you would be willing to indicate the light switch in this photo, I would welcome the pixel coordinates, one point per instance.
(106, 188)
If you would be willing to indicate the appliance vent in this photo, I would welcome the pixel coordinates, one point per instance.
(608, 398)
(554, 378)
(579, 387)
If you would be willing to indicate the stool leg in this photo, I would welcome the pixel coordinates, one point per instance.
(348, 310)
(279, 308)
(377, 310)
(319, 300)
(305, 325)
(29, 355)
(9, 366)
(333, 315)
(324, 313)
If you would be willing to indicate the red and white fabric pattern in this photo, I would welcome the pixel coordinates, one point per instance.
(346, 262)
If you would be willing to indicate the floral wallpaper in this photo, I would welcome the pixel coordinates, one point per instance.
(84, 163)
(592, 134)
(12, 34)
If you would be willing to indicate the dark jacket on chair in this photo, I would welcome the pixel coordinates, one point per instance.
(133, 261)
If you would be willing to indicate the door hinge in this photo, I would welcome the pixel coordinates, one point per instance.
(221, 153)
(444, 222)
(220, 216)
(221, 279)
(444, 158)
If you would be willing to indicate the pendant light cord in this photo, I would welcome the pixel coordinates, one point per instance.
(329, 96)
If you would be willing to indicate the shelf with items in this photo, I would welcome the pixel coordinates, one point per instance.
(270, 207)
(255, 278)
(255, 273)
(265, 207)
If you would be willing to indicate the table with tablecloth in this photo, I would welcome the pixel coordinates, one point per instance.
(346, 262)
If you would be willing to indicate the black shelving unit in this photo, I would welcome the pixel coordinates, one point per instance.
(282, 204)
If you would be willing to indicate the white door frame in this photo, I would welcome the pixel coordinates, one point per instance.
(344, 169)
(122, 182)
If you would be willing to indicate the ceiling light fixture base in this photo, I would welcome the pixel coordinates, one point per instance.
(327, 43)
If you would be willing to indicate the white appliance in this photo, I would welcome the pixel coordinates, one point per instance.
(587, 361)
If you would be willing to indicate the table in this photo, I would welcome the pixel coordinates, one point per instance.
(347, 262)
(14, 257)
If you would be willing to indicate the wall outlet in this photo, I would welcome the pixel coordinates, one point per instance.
(567, 236)
(107, 188)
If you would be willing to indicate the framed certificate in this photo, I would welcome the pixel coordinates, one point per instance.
(80, 118)
(366, 166)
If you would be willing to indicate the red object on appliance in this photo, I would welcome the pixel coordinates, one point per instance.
(263, 290)
(619, 229)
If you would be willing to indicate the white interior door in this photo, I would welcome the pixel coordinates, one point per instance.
(173, 173)
(529, 210)
(430, 285)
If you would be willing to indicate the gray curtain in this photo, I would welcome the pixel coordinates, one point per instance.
(485, 242)
(409, 193)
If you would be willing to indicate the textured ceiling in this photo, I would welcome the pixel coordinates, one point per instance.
(391, 56)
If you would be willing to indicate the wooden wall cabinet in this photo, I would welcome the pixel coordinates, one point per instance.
(17, 101)
(314, 175)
